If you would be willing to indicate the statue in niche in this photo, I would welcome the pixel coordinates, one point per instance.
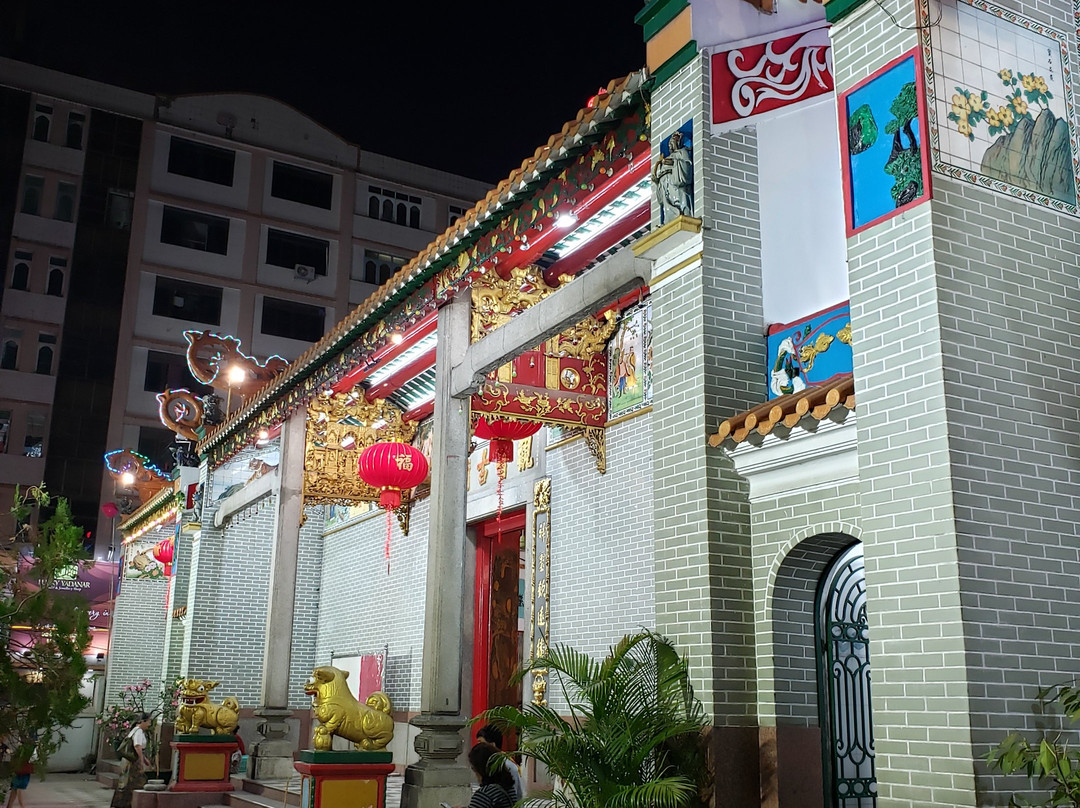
(673, 178)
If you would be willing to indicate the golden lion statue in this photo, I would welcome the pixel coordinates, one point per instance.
(369, 726)
(195, 710)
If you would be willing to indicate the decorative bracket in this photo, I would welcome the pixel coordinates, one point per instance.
(596, 440)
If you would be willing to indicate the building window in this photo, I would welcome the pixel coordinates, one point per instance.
(201, 161)
(302, 185)
(76, 124)
(20, 273)
(42, 122)
(5, 430)
(196, 231)
(380, 267)
(155, 443)
(56, 277)
(118, 209)
(292, 251)
(9, 357)
(455, 213)
(166, 371)
(44, 359)
(65, 202)
(33, 187)
(34, 443)
(182, 300)
(394, 206)
(287, 318)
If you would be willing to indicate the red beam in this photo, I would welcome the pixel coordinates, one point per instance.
(421, 412)
(400, 376)
(584, 255)
(607, 193)
(391, 350)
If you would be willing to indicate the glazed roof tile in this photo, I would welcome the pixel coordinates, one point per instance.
(589, 121)
(814, 402)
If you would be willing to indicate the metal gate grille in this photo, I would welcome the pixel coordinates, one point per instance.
(844, 684)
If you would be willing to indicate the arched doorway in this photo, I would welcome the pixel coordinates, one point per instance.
(843, 637)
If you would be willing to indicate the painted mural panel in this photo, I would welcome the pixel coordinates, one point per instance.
(1001, 102)
(884, 159)
(630, 363)
(810, 351)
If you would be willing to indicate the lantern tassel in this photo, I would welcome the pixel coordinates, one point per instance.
(501, 475)
(386, 549)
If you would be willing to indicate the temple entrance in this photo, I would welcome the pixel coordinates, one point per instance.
(844, 684)
(499, 626)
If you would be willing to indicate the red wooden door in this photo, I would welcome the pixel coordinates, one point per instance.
(496, 642)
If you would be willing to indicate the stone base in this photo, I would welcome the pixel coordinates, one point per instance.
(203, 763)
(427, 784)
(174, 799)
(343, 779)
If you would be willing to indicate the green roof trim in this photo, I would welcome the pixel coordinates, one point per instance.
(838, 9)
(680, 59)
(657, 14)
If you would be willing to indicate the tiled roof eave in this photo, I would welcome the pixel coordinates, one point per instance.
(817, 402)
(158, 503)
(504, 199)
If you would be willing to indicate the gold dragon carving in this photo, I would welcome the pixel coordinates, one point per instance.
(339, 427)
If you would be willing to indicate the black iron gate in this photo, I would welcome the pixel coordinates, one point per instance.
(844, 684)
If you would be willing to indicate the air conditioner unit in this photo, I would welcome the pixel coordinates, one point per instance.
(303, 272)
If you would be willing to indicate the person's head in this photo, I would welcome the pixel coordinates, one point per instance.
(487, 768)
(144, 720)
(492, 734)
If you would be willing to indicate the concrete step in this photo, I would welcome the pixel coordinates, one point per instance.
(267, 793)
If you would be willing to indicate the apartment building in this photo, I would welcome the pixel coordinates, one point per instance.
(127, 219)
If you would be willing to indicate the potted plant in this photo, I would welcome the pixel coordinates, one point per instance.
(634, 735)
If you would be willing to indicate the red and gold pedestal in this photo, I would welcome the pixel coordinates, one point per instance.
(202, 762)
(343, 779)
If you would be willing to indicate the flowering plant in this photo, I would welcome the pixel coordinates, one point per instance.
(970, 107)
(117, 720)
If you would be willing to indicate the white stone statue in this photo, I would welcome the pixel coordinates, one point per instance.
(673, 179)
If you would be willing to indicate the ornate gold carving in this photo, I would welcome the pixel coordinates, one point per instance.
(540, 585)
(551, 371)
(196, 710)
(339, 427)
(587, 338)
(808, 353)
(482, 469)
(496, 300)
(596, 440)
(524, 455)
(844, 334)
(369, 726)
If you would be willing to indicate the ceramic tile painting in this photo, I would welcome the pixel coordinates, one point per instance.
(1001, 102)
(630, 363)
(885, 162)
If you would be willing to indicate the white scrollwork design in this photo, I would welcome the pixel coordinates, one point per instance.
(770, 76)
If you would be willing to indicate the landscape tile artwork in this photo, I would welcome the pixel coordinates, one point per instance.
(885, 158)
(1001, 102)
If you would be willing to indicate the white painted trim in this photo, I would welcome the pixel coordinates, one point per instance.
(246, 496)
(799, 459)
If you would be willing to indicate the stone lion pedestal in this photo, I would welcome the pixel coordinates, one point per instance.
(343, 779)
(201, 762)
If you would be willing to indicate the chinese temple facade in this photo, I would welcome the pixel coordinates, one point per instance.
(777, 327)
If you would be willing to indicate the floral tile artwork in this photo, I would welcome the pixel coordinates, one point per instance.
(884, 157)
(1001, 102)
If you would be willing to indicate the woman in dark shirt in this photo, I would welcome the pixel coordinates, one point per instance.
(495, 786)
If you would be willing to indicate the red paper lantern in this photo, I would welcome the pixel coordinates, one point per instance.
(502, 433)
(392, 467)
(163, 552)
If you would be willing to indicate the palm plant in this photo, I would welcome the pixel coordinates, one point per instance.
(634, 736)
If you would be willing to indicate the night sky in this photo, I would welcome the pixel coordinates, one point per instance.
(469, 87)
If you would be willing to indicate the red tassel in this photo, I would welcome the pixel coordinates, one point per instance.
(386, 549)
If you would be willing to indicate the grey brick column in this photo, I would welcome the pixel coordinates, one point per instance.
(965, 312)
(708, 355)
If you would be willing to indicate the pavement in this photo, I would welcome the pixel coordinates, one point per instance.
(63, 790)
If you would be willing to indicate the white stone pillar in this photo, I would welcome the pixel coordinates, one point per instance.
(272, 756)
(439, 776)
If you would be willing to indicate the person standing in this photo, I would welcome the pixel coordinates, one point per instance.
(493, 735)
(19, 781)
(133, 775)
